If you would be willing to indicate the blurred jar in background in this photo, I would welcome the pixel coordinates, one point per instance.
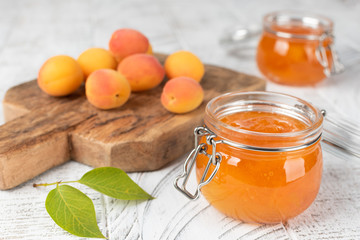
(297, 49)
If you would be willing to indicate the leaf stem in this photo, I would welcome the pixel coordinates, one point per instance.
(55, 183)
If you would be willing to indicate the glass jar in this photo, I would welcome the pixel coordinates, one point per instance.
(297, 48)
(255, 175)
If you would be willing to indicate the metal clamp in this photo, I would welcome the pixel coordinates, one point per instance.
(336, 66)
(214, 158)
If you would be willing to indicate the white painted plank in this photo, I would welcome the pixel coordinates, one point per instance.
(23, 214)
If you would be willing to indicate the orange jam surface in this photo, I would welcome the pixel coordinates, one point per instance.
(264, 187)
(265, 122)
(291, 61)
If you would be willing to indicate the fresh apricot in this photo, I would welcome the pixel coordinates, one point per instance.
(143, 71)
(184, 64)
(181, 95)
(107, 89)
(150, 50)
(96, 58)
(60, 75)
(125, 42)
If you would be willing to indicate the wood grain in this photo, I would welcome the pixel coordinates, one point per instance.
(44, 131)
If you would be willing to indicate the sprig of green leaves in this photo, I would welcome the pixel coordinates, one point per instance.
(73, 211)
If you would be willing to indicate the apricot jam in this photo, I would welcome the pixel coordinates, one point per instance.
(296, 49)
(271, 158)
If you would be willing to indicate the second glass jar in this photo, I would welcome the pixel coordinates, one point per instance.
(296, 48)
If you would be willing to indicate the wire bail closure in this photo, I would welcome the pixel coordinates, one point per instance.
(336, 66)
(214, 158)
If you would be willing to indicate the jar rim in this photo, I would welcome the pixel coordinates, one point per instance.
(214, 111)
(298, 18)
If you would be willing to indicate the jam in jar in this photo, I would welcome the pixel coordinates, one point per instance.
(297, 49)
(258, 156)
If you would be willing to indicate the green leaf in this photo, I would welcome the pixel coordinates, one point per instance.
(73, 211)
(115, 183)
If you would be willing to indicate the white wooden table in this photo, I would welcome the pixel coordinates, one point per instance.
(33, 30)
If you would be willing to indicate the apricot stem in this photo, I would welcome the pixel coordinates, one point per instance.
(55, 183)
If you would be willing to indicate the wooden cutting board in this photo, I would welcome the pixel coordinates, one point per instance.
(43, 131)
